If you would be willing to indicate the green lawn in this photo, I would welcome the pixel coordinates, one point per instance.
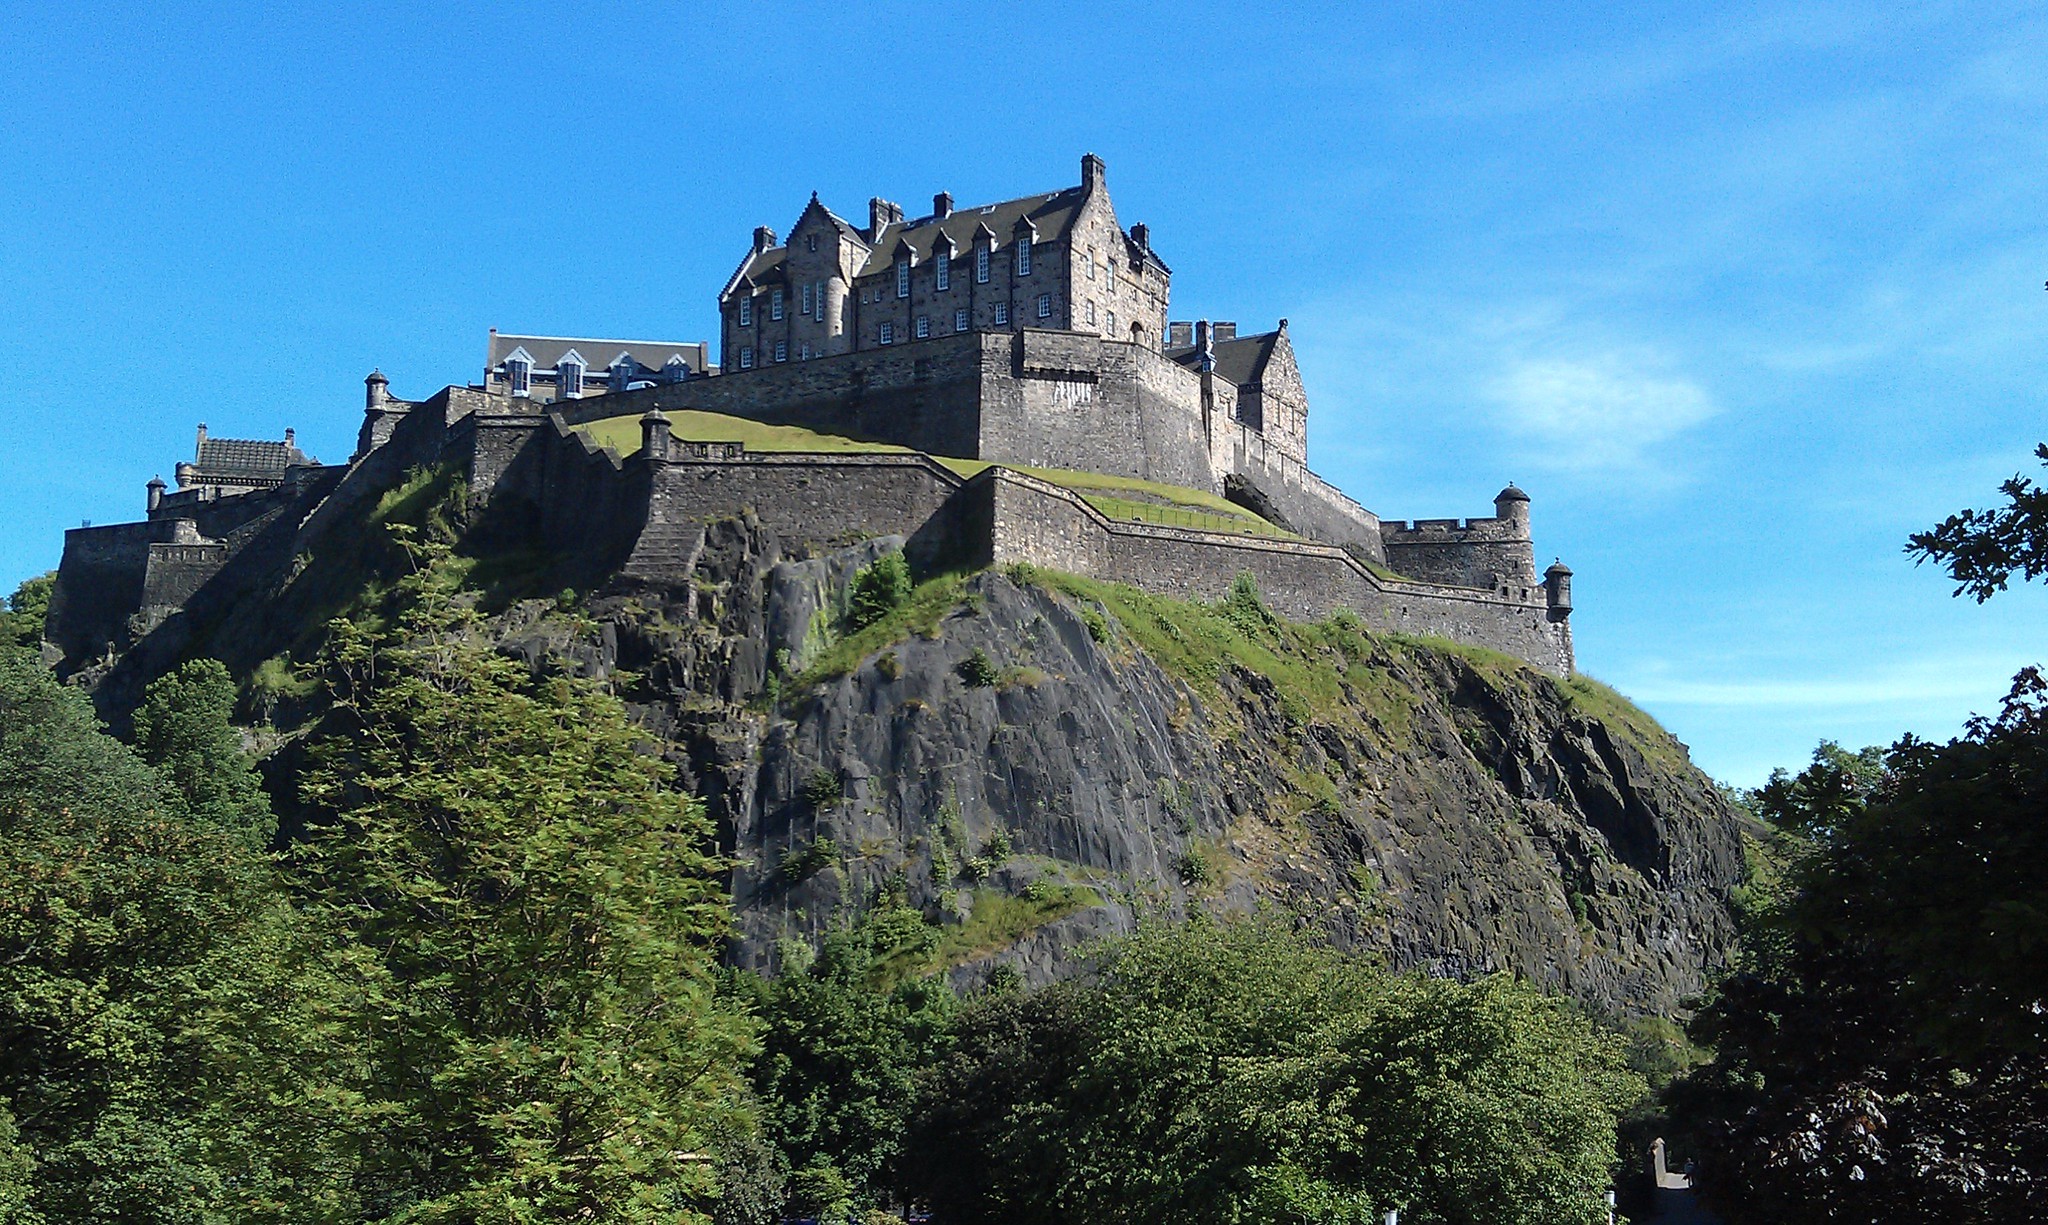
(1117, 497)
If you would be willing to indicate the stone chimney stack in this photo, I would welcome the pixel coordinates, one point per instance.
(881, 215)
(764, 238)
(1205, 349)
(376, 389)
(1180, 335)
(156, 493)
(942, 205)
(1225, 331)
(289, 436)
(1142, 235)
(202, 433)
(1093, 172)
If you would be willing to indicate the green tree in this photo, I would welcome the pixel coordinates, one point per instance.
(171, 1046)
(1983, 549)
(1237, 1071)
(182, 729)
(27, 610)
(878, 589)
(842, 1045)
(544, 1043)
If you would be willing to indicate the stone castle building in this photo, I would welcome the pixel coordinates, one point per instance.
(1030, 334)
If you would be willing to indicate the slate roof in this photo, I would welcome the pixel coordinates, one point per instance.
(247, 460)
(1051, 213)
(597, 354)
(1241, 360)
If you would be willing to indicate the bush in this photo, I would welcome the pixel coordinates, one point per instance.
(1243, 608)
(1194, 869)
(978, 670)
(1098, 625)
(998, 845)
(823, 789)
(802, 864)
(888, 666)
(879, 588)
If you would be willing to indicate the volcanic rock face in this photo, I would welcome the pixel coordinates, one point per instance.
(1019, 766)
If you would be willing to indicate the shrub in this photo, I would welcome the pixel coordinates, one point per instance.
(1243, 608)
(823, 789)
(1194, 869)
(998, 845)
(1098, 625)
(978, 670)
(888, 666)
(802, 864)
(977, 868)
(879, 588)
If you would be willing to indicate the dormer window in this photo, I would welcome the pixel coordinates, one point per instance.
(1024, 255)
(903, 278)
(981, 264)
(622, 373)
(775, 304)
(942, 276)
(568, 377)
(676, 370)
(519, 376)
(747, 311)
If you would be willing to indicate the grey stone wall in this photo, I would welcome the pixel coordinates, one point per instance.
(1045, 525)
(1492, 554)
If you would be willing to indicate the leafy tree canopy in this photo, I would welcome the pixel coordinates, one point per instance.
(182, 729)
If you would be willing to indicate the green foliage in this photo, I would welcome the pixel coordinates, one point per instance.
(878, 589)
(840, 1053)
(1242, 607)
(543, 918)
(1236, 1071)
(997, 845)
(1983, 549)
(1820, 799)
(23, 621)
(1098, 625)
(823, 789)
(800, 864)
(182, 729)
(1194, 869)
(929, 603)
(171, 1046)
(978, 671)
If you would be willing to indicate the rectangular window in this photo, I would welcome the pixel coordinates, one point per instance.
(747, 357)
(747, 311)
(902, 278)
(888, 334)
(1112, 325)
(942, 276)
(803, 353)
(960, 321)
(805, 308)
(924, 326)
(569, 377)
(1002, 313)
(782, 350)
(1091, 314)
(1091, 267)
(1045, 306)
(775, 304)
(981, 264)
(1024, 256)
(519, 375)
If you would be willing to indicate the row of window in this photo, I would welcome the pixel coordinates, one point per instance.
(569, 375)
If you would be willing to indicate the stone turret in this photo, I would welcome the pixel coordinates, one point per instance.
(1557, 590)
(654, 436)
(156, 493)
(376, 390)
(1512, 506)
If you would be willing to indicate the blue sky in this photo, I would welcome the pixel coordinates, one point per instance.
(1740, 297)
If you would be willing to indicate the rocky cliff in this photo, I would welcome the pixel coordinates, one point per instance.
(1033, 760)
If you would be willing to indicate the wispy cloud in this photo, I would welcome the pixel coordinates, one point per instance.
(1598, 414)
(1977, 681)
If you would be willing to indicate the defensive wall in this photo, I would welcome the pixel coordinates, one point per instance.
(1048, 399)
(644, 515)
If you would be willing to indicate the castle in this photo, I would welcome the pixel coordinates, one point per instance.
(986, 359)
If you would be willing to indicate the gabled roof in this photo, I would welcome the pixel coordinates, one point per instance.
(1050, 214)
(1241, 360)
(237, 460)
(546, 352)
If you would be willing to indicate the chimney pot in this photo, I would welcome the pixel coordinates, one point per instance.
(942, 205)
(764, 238)
(1093, 172)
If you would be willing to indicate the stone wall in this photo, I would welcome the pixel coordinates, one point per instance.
(1311, 505)
(1042, 524)
(1492, 554)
